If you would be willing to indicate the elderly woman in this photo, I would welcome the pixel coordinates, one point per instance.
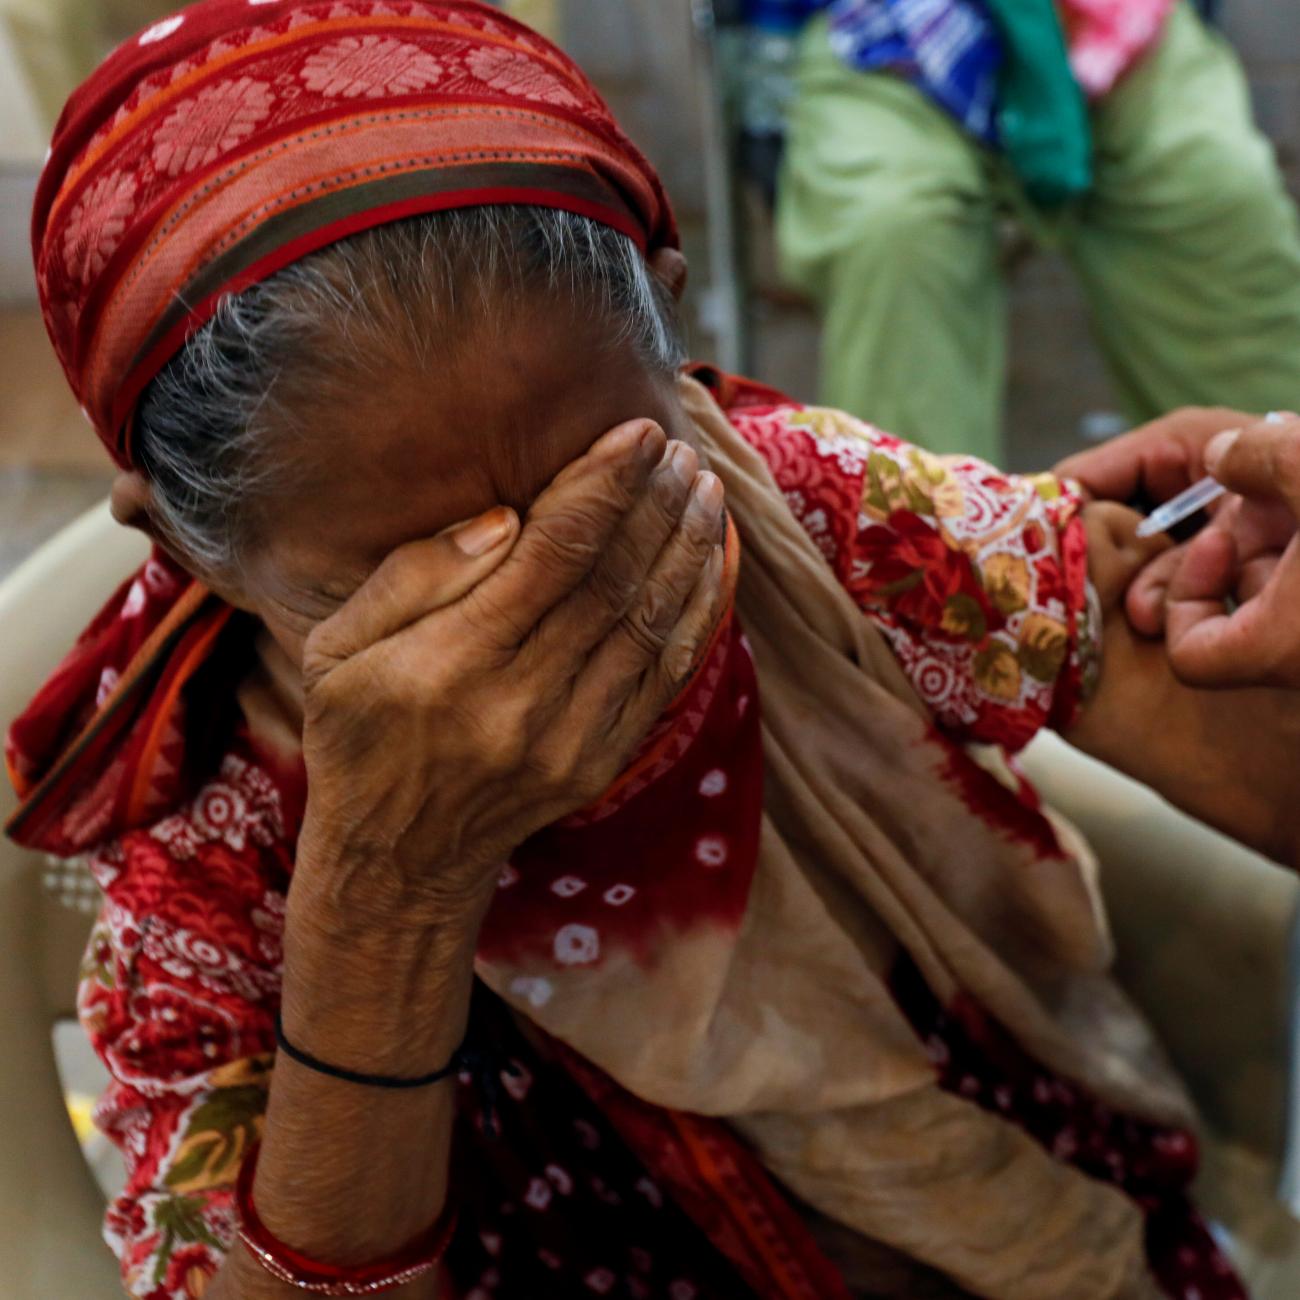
(459, 767)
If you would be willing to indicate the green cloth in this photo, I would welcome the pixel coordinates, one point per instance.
(1187, 246)
(1042, 114)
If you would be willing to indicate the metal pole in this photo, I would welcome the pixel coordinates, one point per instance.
(722, 305)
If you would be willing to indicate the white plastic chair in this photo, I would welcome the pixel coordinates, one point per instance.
(50, 1207)
(1205, 933)
(1206, 937)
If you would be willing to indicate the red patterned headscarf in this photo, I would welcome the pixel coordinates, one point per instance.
(236, 136)
(215, 148)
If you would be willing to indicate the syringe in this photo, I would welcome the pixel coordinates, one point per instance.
(1186, 504)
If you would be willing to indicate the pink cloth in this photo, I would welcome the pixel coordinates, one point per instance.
(1107, 37)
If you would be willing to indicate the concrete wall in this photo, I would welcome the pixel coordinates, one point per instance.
(22, 146)
(642, 54)
(1267, 34)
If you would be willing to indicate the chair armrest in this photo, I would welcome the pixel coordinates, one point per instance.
(1205, 934)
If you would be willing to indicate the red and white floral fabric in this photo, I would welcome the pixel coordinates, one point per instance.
(181, 976)
(978, 579)
(961, 567)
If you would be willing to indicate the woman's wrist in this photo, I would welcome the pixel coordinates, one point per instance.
(348, 887)
(383, 990)
(350, 1173)
(431, 923)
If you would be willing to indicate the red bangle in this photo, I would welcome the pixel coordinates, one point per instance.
(291, 1266)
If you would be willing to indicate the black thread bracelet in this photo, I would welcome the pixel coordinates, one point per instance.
(482, 1066)
(454, 1066)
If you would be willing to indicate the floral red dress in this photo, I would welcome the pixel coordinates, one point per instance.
(978, 581)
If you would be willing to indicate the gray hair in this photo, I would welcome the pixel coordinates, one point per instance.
(203, 428)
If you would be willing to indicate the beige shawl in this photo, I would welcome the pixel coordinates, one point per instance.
(789, 1030)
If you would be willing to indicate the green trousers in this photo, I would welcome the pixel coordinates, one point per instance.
(1188, 248)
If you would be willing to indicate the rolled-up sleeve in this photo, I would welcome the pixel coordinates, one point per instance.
(978, 579)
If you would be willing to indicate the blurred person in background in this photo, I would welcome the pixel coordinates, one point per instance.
(1120, 130)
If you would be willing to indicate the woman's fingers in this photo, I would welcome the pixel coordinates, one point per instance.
(614, 585)
(567, 531)
(646, 631)
(413, 582)
(567, 528)
(633, 711)
(687, 641)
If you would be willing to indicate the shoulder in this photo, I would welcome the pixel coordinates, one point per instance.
(839, 475)
(802, 443)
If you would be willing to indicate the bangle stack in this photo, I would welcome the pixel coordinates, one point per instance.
(298, 1270)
